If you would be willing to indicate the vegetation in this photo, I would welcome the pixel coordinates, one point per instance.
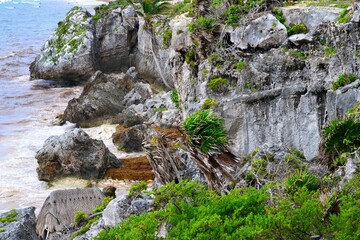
(233, 15)
(240, 66)
(175, 98)
(160, 109)
(344, 17)
(104, 9)
(279, 15)
(137, 188)
(330, 51)
(167, 37)
(147, 8)
(217, 83)
(190, 211)
(80, 217)
(205, 130)
(209, 103)
(2, 230)
(298, 54)
(11, 217)
(296, 29)
(343, 79)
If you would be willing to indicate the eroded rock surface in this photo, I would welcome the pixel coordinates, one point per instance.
(74, 154)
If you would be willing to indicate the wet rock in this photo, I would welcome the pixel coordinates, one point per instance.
(74, 154)
(102, 96)
(20, 226)
(264, 32)
(69, 54)
(130, 139)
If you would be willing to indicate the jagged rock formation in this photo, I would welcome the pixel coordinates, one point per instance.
(74, 154)
(20, 226)
(59, 208)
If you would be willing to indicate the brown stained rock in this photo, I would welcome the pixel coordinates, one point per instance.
(137, 168)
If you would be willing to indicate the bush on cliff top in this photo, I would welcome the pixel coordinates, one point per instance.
(205, 130)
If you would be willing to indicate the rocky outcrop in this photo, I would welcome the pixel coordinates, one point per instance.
(130, 139)
(102, 96)
(74, 154)
(70, 53)
(18, 224)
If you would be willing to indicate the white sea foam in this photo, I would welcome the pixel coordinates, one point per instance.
(4, 1)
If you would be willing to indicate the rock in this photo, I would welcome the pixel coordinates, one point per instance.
(181, 37)
(312, 17)
(166, 119)
(299, 39)
(139, 94)
(356, 15)
(117, 35)
(130, 139)
(59, 208)
(74, 154)
(102, 96)
(23, 226)
(264, 32)
(69, 54)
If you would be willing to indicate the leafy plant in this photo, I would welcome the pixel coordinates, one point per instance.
(137, 188)
(296, 29)
(330, 51)
(103, 204)
(207, 23)
(343, 79)
(79, 217)
(209, 103)
(217, 83)
(279, 15)
(344, 17)
(167, 37)
(11, 217)
(206, 130)
(302, 179)
(174, 96)
(2, 230)
(240, 66)
(233, 15)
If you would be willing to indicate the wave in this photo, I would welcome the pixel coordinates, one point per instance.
(13, 54)
(4, 1)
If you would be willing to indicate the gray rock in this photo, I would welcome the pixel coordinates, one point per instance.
(181, 37)
(102, 96)
(356, 15)
(117, 35)
(264, 32)
(69, 53)
(139, 94)
(131, 139)
(299, 39)
(74, 154)
(23, 228)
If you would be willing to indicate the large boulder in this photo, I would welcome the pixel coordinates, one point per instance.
(130, 139)
(18, 224)
(74, 154)
(117, 35)
(102, 96)
(264, 32)
(69, 54)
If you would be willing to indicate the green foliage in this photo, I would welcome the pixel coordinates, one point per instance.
(279, 15)
(190, 56)
(240, 66)
(174, 96)
(104, 9)
(296, 29)
(298, 54)
(2, 230)
(103, 205)
(137, 188)
(167, 37)
(302, 179)
(344, 17)
(182, 7)
(147, 8)
(206, 23)
(295, 158)
(11, 217)
(330, 51)
(343, 79)
(217, 83)
(233, 15)
(356, 53)
(206, 130)
(161, 109)
(209, 103)
(79, 217)
(86, 227)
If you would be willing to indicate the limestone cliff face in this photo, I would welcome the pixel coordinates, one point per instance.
(275, 90)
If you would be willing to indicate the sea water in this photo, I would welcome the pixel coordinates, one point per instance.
(27, 107)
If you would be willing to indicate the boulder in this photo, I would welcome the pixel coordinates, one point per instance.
(130, 139)
(20, 224)
(264, 32)
(181, 37)
(116, 33)
(356, 15)
(74, 154)
(139, 94)
(102, 96)
(301, 38)
(69, 54)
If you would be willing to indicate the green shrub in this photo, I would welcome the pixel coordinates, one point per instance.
(167, 37)
(344, 17)
(209, 103)
(240, 66)
(217, 83)
(174, 96)
(161, 109)
(105, 9)
(2, 230)
(206, 130)
(79, 217)
(207, 23)
(343, 79)
(296, 53)
(296, 29)
(137, 188)
(279, 15)
(330, 51)
(233, 15)
(302, 179)
(103, 204)
(190, 56)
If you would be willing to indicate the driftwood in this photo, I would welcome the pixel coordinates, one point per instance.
(60, 207)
